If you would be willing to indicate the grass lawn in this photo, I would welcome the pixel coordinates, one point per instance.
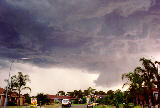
(105, 106)
(43, 106)
(16, 107)
(110, 106)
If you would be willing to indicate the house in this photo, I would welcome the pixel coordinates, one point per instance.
(155, 93)
(14, 98)
(57, 98)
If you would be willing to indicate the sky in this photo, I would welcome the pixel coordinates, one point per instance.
(74, 44)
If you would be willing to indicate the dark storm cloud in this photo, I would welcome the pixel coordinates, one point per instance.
(104, 36)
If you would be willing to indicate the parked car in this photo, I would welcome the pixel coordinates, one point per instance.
(90, 105)
(66, 102)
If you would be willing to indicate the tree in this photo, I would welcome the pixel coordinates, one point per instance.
(143, 79)
(99, 93)
(42, 98)
(61, 93)
(76, 100)
(100, 101)
(27, 98)
(85, 92)
(148, 71)
(84, 100)
(134, 80)
(90, 90)
(157, 79)
(118, 98)
(20, 82)
(11, 86)
(80, 94)
(109, 98)
(70, 94)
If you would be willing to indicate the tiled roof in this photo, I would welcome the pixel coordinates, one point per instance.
(60, 97)
(154, 89)
(14, 94)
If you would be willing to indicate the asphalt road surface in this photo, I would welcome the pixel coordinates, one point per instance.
(60, 106)
(77, 106)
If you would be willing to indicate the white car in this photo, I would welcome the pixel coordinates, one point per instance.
(66, 102)
(90, 105)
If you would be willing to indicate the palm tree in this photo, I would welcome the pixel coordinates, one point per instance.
(146, 77)
(20, 82)
(91, 90)
(148, 71)
(157, 80)
(134, 80)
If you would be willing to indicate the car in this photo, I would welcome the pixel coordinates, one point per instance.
(66, 103)
(90, 105)
(95, 104)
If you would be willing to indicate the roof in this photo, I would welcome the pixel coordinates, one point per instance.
(60, 97)
(14, 94)
(2, 91)
(154, 89)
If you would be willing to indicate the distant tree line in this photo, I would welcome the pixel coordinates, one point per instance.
(81, 95)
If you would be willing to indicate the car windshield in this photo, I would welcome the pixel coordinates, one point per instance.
(65, 101)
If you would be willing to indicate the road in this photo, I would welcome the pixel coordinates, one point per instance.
(76, 106)
(79, 106)
(59, 106)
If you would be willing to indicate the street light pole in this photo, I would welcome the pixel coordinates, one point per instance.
(12, 61)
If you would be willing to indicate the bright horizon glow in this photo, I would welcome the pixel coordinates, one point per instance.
(52, 80)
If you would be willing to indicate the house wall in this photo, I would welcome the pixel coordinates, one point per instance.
(22, 101)
(2, 100)
(51, 100)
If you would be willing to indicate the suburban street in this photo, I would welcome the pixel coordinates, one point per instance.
(79, 106)
(76, 106)
(73, 106)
